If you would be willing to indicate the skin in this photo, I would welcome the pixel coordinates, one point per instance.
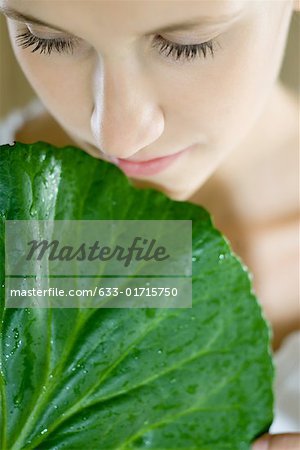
(211, 103)
(230, 107)
(288, 441)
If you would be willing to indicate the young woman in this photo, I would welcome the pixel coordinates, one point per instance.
(184, 97)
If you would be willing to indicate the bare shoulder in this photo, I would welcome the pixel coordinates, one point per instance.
(43, 128)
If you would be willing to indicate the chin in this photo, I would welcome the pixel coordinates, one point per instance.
(179, 196)
(185, 193)
(182, 194)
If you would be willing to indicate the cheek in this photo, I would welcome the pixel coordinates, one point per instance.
(64, 89)
(223, 97)
(245, 76)
(62, 83)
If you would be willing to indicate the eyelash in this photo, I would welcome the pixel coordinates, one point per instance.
(46, 46)
(167, 48)
(183, 51)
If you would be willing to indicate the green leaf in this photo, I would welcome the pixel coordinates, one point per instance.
(198, 378)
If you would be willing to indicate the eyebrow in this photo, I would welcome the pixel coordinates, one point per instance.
(184, 26)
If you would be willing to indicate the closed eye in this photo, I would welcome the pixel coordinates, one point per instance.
(165, 47)
(188, 52)
(46, 46)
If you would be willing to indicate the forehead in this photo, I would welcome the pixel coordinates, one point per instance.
(128, 17)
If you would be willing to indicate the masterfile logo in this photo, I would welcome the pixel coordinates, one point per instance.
(111, 264)
(142, 251)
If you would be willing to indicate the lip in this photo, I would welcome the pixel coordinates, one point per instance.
(150, 167)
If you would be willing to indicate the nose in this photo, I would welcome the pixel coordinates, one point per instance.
(126, 117)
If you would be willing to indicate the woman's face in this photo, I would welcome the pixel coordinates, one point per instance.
(141, 80)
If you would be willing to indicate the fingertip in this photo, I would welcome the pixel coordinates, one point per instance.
(262, 443)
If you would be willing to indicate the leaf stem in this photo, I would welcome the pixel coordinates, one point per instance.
(3, 412)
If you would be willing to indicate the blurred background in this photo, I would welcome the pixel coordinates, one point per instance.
(16, 92)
